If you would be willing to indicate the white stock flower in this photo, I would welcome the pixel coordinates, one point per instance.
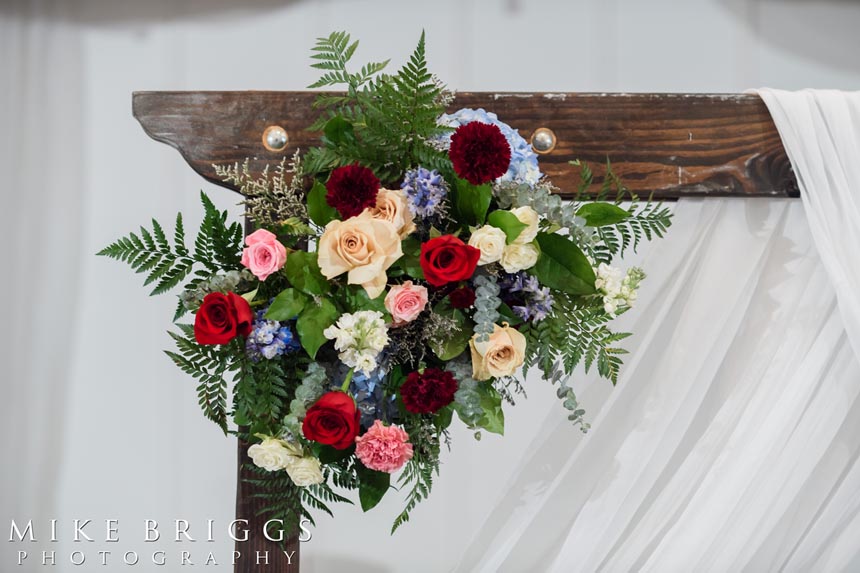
(359, 337)
(530, 217)
(619, 291)
(490, 241)
(519, 257)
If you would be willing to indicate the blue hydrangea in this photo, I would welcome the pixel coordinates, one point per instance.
(524, 161)
(367, 389)
(426, 192)
(269, 339)
(536, 301)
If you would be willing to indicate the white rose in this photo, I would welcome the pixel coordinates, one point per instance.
(272, 454)
(490, 241)
(305, 471)
(527, 216)
(519, 257)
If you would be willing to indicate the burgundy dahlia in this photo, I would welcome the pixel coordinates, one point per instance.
(479, 152)
(463, 297)
(429, 392)
(351, 190)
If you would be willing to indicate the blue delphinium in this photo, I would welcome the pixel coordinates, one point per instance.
(426, 192)
(536, 300)
(270, 338)
(524, 161)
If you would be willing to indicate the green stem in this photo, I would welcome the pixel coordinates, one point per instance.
(347, 380)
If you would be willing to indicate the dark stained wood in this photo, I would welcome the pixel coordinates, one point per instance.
(674, 145)
(247, 507)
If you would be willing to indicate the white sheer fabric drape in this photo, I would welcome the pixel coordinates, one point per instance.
(731, 441)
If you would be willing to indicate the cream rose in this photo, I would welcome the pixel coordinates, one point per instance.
(527, 216)
(305, 471)
(272, 454)
(362, 246)
(501, 355)
(519, 257)
(490, 241)
(391, 206)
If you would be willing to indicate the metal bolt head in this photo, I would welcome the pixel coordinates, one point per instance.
(543, 140)
(275, 138)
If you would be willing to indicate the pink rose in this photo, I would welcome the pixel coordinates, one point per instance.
(405, 302)
(384, 448)
(264, 255)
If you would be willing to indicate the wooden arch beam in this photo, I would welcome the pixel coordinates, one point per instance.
(671, 145)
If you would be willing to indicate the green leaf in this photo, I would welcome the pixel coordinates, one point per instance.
(507, 222)
(372, 486)
(337, 131)
(328, 454)
(472, 202)
(509, 315)
(444, 417)
(601, 214)
(319, 210)
(563, 266)
(494, 417)
(312, 322)
(455, 344)
(303, 272)
(356, 299)
(287, 305)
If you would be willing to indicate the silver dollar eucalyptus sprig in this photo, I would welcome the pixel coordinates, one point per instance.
(313, 385)
(487, 302)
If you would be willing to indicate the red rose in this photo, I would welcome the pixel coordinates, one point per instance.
(221, 318)
(427, 393)
(447, 259)
(332, 420)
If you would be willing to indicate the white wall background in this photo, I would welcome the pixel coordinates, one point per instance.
(80, 354)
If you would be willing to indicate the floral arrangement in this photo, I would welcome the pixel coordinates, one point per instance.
(407, 271)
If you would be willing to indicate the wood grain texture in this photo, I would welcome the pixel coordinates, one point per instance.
(247, 508)
(672, 145)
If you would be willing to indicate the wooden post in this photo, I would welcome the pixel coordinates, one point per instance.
(247, 508)
(668, 145)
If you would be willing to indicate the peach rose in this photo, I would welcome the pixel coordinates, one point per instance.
(362, 246)
(405, 302)
(264, 255)
(391, 206)
(501, 355)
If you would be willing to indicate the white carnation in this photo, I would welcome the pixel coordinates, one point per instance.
(519, 257)
(490, 241)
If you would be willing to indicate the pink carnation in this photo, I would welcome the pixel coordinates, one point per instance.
(384, 448)
(264, 255)
(405, 302)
